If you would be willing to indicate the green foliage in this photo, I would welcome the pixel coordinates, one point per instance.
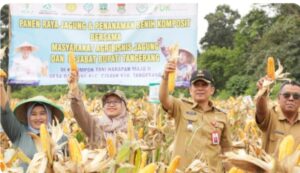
(223, 95)
(221, 63)
(220, 27)
(252, 89)
(237, 85)
(53, 92)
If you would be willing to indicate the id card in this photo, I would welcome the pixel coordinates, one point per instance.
(215, 138)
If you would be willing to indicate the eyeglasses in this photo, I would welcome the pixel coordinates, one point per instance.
(287, 95)
(112, 102)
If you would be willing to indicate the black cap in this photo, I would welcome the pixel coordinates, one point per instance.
(203, 75)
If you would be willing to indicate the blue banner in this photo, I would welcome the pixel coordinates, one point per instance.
(124, 44)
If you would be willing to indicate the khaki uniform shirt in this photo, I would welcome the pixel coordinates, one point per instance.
(275, 126)
(191, 144)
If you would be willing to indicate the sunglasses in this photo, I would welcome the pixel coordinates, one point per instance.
(296, 96)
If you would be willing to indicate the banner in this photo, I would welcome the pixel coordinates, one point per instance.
(124, 44)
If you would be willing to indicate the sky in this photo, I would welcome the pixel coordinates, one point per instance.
(204, 7)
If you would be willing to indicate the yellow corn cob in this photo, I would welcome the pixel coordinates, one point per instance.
(286, 147)
(111, 148)
(72, 61)
(141, 133)
(2, 164)
(149, 168)
(144, 159)
(173, 164)
(2, 73)
(235, 170)
(130, 130)
(171, 82)
(74, 149)
(174, 51)
(271, 68)
(46, 143)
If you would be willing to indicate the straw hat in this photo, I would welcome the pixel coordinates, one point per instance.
(189, 55)
(26, 44)
(21, 108)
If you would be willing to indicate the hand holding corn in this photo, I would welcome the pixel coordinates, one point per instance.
(174, 52)
(73, 78)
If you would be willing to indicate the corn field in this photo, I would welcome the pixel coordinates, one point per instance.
(147, 146)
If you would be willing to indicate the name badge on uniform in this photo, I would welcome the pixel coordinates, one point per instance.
(215, 139)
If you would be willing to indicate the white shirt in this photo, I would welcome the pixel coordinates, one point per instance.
(28, 69)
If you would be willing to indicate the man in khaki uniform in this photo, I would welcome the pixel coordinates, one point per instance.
(201, 128)
(277, 121)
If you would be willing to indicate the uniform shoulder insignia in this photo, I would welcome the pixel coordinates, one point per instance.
(187, 100)
(220, 110)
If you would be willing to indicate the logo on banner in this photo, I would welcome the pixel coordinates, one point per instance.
(142, 8)
(71, 7)
(162, 8)
(88, 7)
(121, 8)
(27, 9)
(47, 9)
(103, 7)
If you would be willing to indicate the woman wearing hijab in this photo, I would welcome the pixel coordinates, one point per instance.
(99, 128)
(27, 117)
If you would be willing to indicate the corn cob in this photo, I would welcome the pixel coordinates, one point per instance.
(2, 73)
(235, 170)
(74, 149)
(149, 168)
(174, 50)
(286, 147)
(271, 68)
(141, 133)
(130, 130)
(144, 159)
(2, 164)
(173, 164)
(111, 148)
(46, 143)
(72, 61)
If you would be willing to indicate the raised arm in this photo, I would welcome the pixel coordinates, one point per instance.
(164, 97)
(12, 127)
(261, 102)
(83, 118)
(3, 95)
